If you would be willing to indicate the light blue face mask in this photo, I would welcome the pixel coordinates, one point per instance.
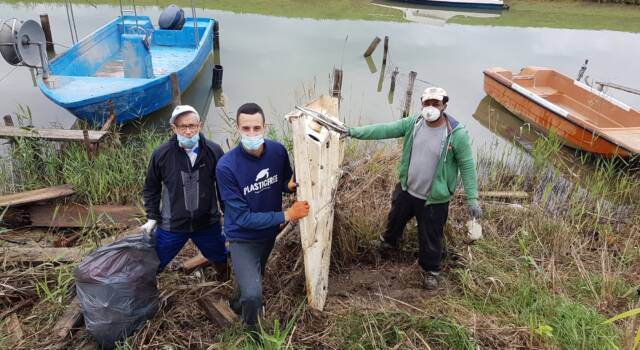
(188, 142)
(252, 143)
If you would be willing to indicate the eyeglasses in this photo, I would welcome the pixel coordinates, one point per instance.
(183, 128)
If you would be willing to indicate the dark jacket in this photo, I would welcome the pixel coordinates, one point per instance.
(181, 197)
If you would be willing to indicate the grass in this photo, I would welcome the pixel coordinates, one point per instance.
(56, 288)
(398, 329)
(563, 14)
(329, 9)
(114, 176)
(523, 13)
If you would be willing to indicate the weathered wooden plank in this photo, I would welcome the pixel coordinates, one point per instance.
(318, 154)
(69, 319)
(76, 215)
(218, 311)
(52, 134)
(22, 254)
(189, 265)
(36, 195)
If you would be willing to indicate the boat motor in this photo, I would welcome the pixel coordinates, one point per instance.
(172, 18)
(24, 44)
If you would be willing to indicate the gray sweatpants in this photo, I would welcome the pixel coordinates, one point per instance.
(249, 259)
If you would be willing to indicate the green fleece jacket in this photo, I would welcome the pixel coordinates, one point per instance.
(456, 156)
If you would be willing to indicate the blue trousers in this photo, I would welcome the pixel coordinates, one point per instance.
(249, 259)
(209, 241)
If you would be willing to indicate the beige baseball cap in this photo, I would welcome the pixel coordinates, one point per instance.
(181, 109)
(433, 93)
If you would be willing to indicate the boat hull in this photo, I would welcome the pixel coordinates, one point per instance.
(318, 154)
(88, 92)
(572, 133)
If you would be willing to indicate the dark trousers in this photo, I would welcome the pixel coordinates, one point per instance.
(431, 220)
(209, 240)
(249, 259)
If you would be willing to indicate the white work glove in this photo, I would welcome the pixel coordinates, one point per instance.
(149, 226)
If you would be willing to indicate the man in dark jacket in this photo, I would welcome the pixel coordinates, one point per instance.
(180, 193)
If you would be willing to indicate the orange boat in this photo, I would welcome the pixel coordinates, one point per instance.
(583, 117)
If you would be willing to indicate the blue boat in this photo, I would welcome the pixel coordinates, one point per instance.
(128, 62)
(467, 4)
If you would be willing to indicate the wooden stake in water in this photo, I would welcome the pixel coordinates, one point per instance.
(372, 47)
(7, 120)
(337, 83)
(44, 22)
(409, 94)
(175, 91)
(392, 88)
(386, 50)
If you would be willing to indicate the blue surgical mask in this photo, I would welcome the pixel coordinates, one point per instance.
(252, 143)
(188, 142)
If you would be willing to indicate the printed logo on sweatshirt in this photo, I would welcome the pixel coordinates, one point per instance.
(263, 182)
(264, 173)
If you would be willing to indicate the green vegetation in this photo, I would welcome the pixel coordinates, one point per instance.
(551, 272)
(389, 329)
(328, 9)
(573, 14)
(563, 14)
(115, 175)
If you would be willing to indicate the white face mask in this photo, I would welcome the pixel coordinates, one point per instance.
(430, 113)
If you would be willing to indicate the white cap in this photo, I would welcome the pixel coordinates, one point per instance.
(180, 110)
(433, 93)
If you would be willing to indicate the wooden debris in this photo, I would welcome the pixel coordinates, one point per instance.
(52, 134)
(36, 195)
(66, 241)
(218, 311)
(69, 319)
(14, 329)
(190, 265)
(76, 215)
(38, 254)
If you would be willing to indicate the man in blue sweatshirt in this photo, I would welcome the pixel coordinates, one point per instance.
(251, 178)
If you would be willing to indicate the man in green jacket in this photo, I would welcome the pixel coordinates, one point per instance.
(435, 149)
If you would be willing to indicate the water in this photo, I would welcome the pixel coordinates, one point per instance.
(276, 61)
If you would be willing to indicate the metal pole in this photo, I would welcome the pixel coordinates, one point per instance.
(195, 23)
(135, 13)
(43, 58)
(66, 6)
(73, 18)
(124, 31)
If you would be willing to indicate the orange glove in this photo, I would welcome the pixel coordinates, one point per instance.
(292, 185)
(297, 211)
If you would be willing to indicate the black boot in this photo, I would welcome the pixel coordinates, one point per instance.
(222, 271)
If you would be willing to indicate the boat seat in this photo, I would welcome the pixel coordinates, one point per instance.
(543, 91)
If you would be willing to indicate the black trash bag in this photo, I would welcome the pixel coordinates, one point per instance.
(116, 287)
